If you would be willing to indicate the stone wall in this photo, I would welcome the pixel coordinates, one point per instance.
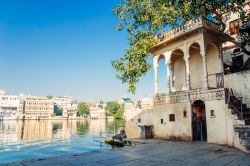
(179, 74)
(181, 128)
(240, 83)
(216, 125)
(158, 116)
(196, 69)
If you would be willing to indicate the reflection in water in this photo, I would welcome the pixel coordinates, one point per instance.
(29, 139)
(82, 127)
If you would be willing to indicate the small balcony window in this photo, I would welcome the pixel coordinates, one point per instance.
(171, 117)
(212, 114)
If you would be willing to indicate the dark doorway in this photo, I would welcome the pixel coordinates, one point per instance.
(199, 126)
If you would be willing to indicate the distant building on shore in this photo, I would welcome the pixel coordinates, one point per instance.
(70, 111)
(65, 103)
(11, 106)
(97, 113)
(133, 109)
(62, 101)
(124, 100)
(38, 107)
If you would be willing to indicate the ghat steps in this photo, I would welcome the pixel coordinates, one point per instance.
(242, 113)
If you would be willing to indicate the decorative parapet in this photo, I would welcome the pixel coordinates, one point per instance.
(189, 26)
(191, 95)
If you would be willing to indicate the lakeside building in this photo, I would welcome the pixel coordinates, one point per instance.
(66, 104)
(62, 101)
(70, 111)
(202, 101)
(124, 101)
(11, 106)
(97, 113)
(38, 107)
(133, 109)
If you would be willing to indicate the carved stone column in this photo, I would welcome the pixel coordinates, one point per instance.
(167, 62)
(188, 84)
(168, 78)
(171, 82)
(221, 58)
(204, 60)
(156, 66)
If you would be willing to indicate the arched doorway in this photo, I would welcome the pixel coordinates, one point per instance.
(199, 126)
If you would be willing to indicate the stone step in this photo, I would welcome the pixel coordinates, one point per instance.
(242, 128)
(247, 147)
(246, 115)
(244, 135)
(247, 122)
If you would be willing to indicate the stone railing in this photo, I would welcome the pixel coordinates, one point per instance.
(216, 80)
(190, 25)
(191, 95)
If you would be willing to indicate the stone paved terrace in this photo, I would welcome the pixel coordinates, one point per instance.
(153, 153)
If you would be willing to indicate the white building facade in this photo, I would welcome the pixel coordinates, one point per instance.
(62, 101)
(36, 107)
(65, 103)
(97, 113)
(11, 106)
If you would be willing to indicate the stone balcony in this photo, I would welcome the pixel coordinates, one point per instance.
(189, 26)
(189, 95)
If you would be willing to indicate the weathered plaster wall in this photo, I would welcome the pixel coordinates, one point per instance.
(216, 125)
(196, 69)
(213, 65)
(179, 74)
(240, 83)
(179, 129)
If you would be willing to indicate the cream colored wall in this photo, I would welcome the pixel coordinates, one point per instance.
(216, 126)
(180, 129)
(240, 83)
(213, 64)
(179, 74)
(196, 69)
(130, 111)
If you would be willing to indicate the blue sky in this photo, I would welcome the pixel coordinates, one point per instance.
(63, 47)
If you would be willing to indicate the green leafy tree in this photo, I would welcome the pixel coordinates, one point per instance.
(58, 111)
(114, 109)
(120, 112)
(49, 97)
(144, 19)
(82, 109)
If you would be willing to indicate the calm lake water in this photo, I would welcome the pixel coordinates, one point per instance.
(32, 139)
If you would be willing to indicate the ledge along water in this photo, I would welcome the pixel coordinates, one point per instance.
(35, 139)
